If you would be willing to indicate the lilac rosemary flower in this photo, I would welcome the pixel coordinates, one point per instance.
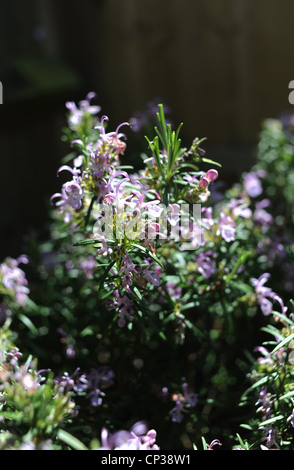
(100, 163)
(252, 183)
(183, 402)
(123, 305)
(127, 272)
(178, 412)
(266, 356)
(96, 396)
(265, 296)
(291, 417)
(261, 217)
(227, 228)
(71, 196)
(77, 113)
(205, 264)
(153, 276)
(215, 442)
(174, 290)
(135, 439)
(112, 140)
(14, 280)
(240, 208)
(265, 405)
(88, 266)
(189, 396)
(67, 382)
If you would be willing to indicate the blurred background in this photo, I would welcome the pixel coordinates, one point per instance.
(222, 67)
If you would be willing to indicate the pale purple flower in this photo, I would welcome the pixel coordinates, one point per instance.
(265, 403)
(125, 310)
(123, 305)
(88, 266)
(252, 183)
(135, 439)
(78, 112)
(127, 272)
(100, 163)
(291, 417)
(112, 139)
(207, 218)
(102, 377)
(174, 290)
(177, 413)
(215, 442)
(14, 280)
(152, 276)
(70, 198)
(96, 396)
(240, 208)
(227, 228)
(105, 249)
(261, 216)
(189, 396)
(265, 296)
(205, 264)
(182, 403)
(266, 355)
(195, 178)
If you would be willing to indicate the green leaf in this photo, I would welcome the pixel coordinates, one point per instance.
(272, 331)
(28, 323)
(207, 160)
(88, 241)
(256, 385)
(204, 443)
(147, 253)
(283, 318)
(11, 415)
(283, 343)
(103, 279)
(287, 395)
(271, 420)
(70, 440)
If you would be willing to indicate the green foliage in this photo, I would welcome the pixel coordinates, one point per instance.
(184, 353)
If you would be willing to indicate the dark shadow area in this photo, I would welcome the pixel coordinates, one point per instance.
(220, 69)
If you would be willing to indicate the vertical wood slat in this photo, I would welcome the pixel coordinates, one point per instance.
(222, 66)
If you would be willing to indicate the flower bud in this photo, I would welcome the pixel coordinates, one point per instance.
(204, 182)
(211, 175)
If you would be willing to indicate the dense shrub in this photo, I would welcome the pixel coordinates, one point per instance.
(158, 311)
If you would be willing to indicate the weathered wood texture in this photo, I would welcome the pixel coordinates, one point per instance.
(223, 66)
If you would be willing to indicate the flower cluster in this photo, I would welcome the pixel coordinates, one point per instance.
(14, 290)
(32, 408)
(183, 402)
(138, 438)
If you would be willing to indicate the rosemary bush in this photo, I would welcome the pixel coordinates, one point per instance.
(157, 313)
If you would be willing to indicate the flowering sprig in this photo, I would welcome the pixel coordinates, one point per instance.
(130, 213)
(183, 402)
(272, 385)
(138, 438)
(14, 289)
(32, 407)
